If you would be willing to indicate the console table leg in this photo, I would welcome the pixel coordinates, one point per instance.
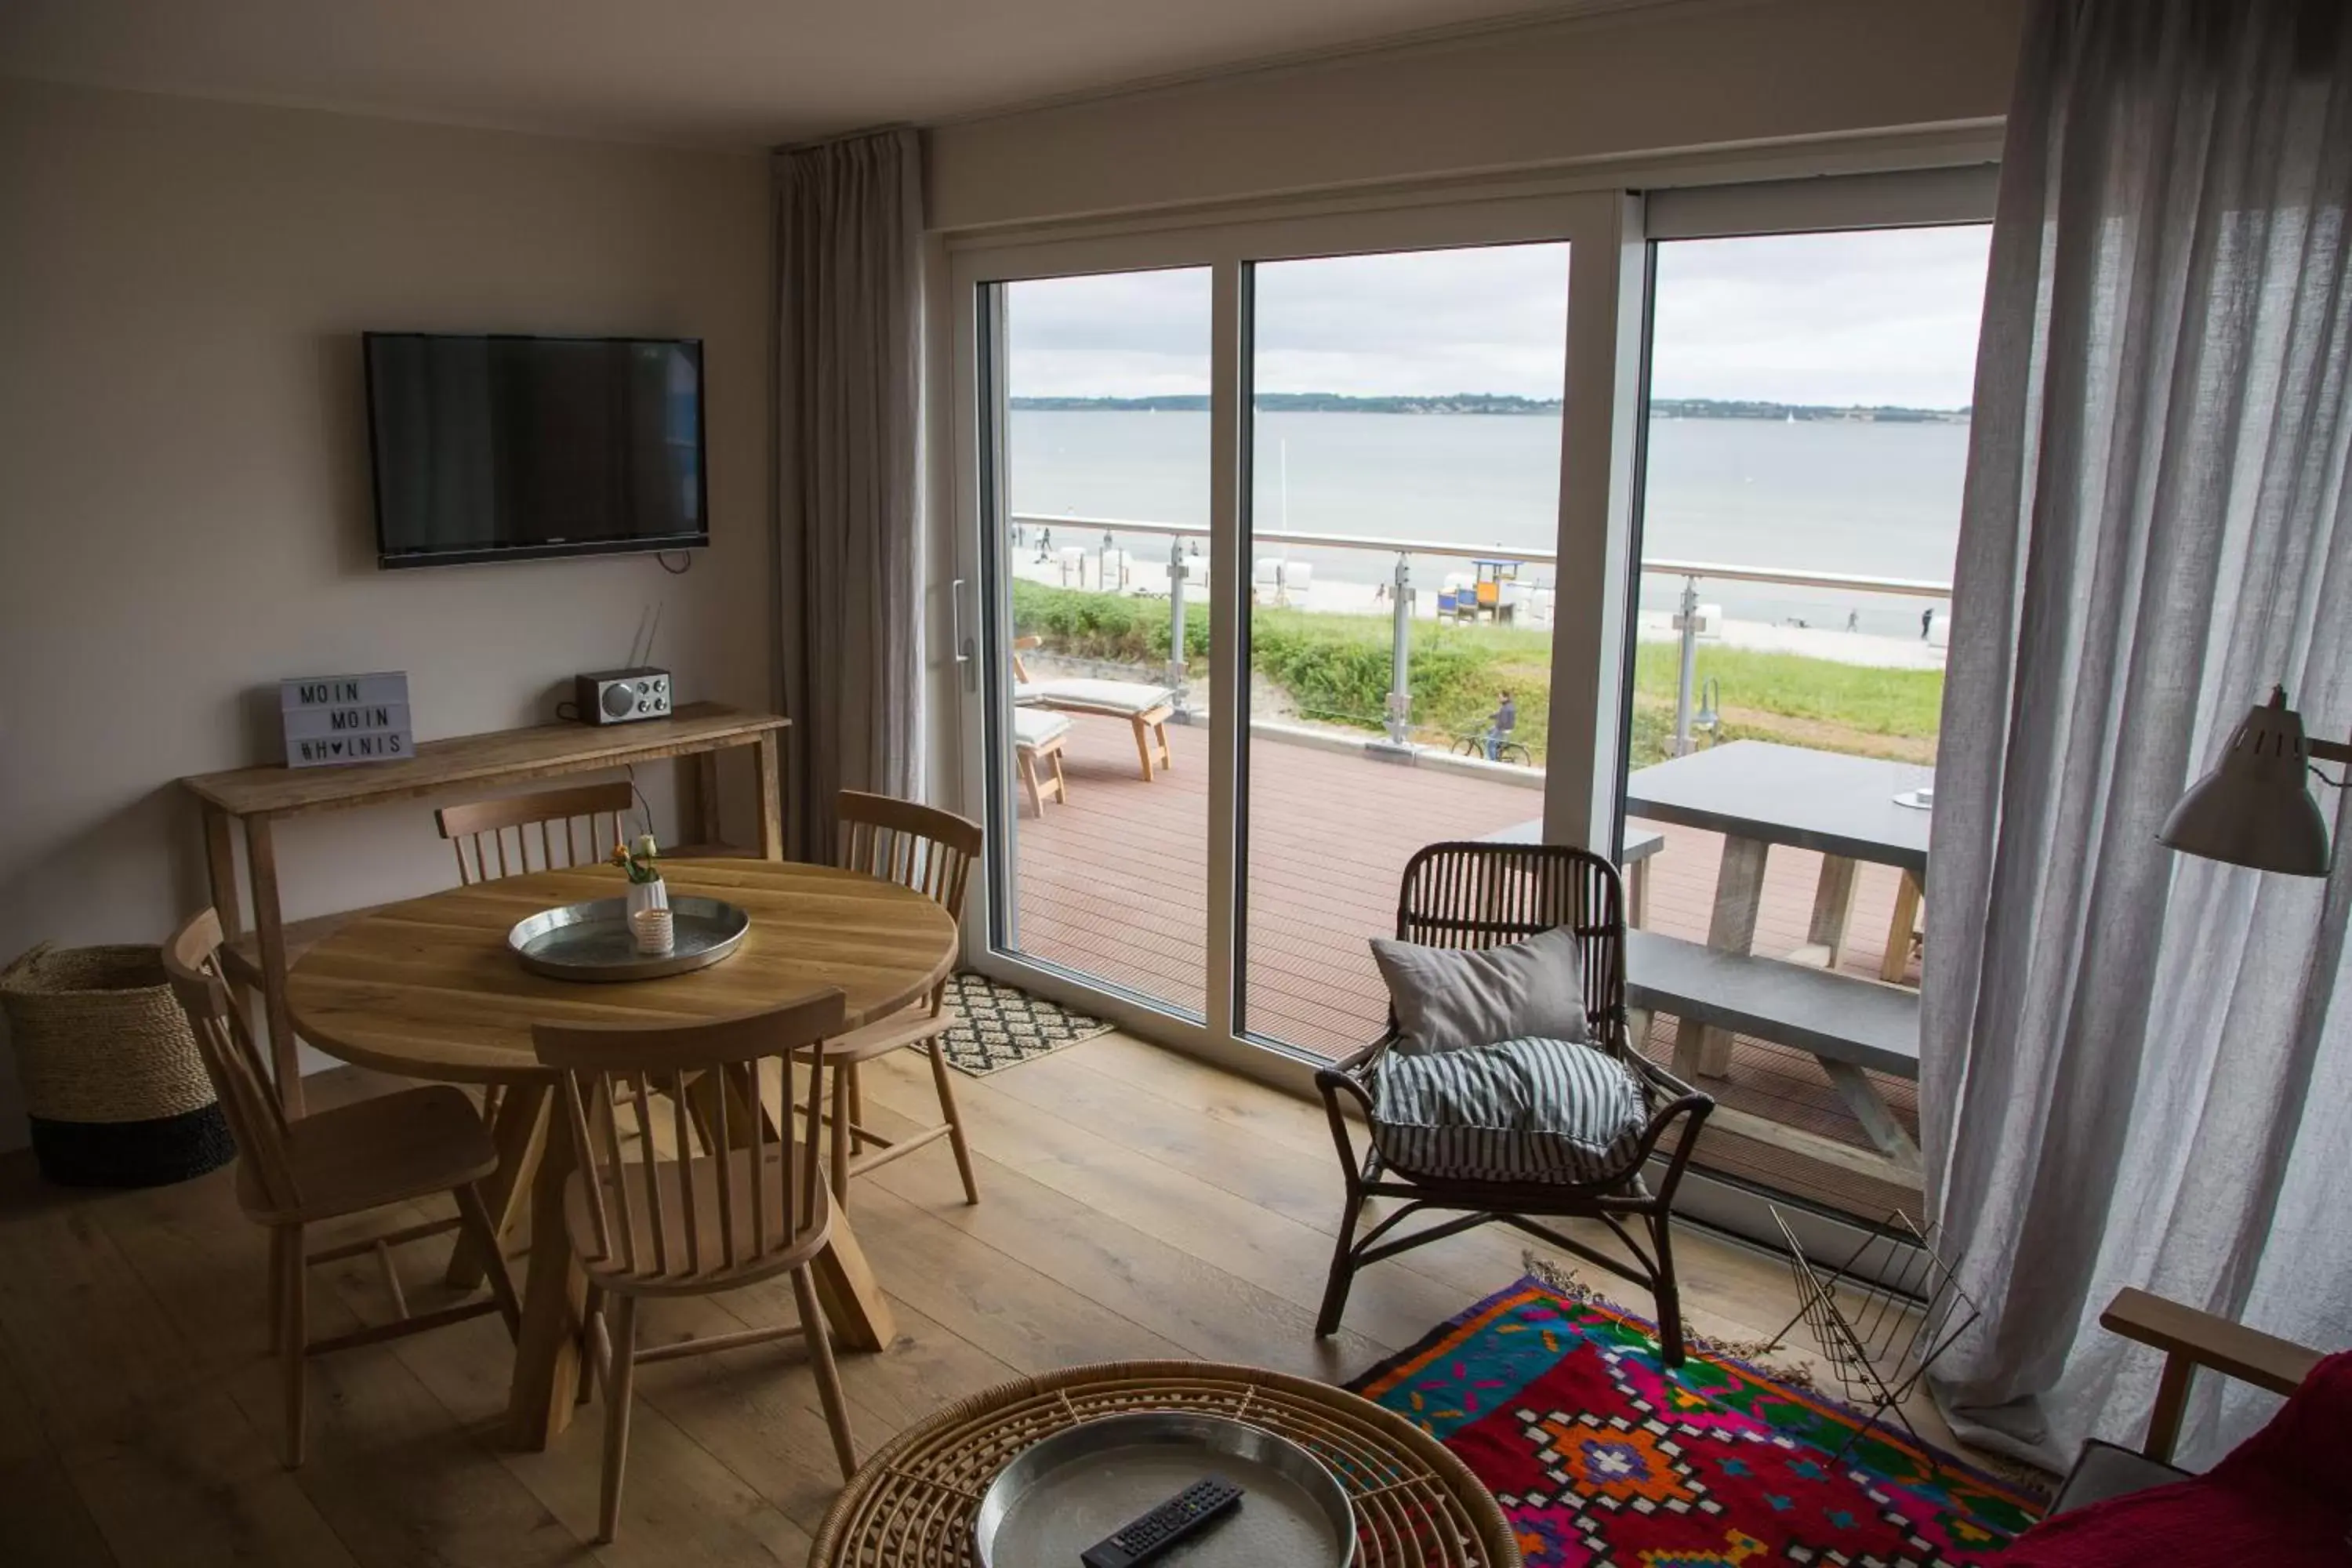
(270, 930)
(702, 792)
(772, 809)
(220, 868)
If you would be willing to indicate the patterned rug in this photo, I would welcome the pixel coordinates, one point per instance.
(1003, 1026)
(1602, 1457)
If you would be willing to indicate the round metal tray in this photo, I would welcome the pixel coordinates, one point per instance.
(593, 941)
(1082, 1484)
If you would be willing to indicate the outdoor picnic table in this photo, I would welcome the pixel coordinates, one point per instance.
(1756, 794)
(1640, 843)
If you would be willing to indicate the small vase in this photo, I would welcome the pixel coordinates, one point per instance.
(652, 895)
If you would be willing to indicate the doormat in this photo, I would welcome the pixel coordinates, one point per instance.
(1600, 1455)
(1003, 1026)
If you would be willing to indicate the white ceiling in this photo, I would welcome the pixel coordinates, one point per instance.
(746, 73)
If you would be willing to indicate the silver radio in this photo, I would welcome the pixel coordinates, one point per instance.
(619, 696)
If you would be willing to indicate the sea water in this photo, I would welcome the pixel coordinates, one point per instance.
(1872, 500)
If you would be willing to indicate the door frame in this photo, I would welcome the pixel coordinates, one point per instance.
(1598, 426)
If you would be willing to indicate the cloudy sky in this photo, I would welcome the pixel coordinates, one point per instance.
(1887, 317)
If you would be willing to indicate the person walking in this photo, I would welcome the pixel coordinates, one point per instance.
(1927, 622)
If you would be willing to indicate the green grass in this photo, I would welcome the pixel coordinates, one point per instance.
(1336, 670)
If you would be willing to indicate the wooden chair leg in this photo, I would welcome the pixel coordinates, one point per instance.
(1143, 745)
(1028, 760)
(812, 1145)
(856, 1110)
(841, 1137)
(520, 1134)
(620, 1393)
(277, 1288)
(828, 1377)
(294, 1341)
(1159, 735)
(590, 1314)
(1061, 782)
(955, 1121)
(474, 1220)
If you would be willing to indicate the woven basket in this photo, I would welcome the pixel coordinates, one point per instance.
(116, 1094)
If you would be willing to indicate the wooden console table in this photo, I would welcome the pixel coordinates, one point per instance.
(257, 798)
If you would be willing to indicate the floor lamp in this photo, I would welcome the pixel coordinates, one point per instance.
(2255, 808)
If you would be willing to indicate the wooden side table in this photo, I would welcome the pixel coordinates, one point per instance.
(257, 798)
(911, 1504)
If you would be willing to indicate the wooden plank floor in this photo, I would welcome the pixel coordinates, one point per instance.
(1115, 884)
(1134, 1203)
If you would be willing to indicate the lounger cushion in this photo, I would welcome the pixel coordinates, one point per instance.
(1035, 726)
(1120, 697)
(1519, 1110)
(1448, 999)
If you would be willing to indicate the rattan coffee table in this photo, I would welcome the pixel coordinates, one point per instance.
(911, 1505)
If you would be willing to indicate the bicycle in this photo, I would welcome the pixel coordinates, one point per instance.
(1474, 745)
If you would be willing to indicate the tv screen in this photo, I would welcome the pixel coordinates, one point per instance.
(496, 448)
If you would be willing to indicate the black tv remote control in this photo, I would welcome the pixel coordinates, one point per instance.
(1178, 1520)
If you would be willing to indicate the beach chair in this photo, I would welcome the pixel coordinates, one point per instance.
(1037, 740)
(1144, 705)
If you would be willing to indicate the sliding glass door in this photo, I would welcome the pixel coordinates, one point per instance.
(1403, 529)
(1265, 531)
(1099, 460)
(1807, 435)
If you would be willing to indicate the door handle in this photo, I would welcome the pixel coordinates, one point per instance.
(964, 647)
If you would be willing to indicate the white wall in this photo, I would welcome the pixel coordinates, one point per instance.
(184, 472)
(1700, 73)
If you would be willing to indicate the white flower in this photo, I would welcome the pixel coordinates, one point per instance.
(646, 848)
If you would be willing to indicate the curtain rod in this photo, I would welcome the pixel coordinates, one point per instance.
(858, 136)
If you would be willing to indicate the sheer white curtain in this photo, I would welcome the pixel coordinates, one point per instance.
(2138, 1065)
(849, 230)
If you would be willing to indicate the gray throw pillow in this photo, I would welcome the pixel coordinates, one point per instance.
(1451, 999)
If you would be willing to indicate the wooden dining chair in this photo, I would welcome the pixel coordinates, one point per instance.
(726, 1205)
(574, 826)
(392, 1149)
(932, 851)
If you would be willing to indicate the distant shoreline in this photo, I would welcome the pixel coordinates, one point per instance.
(1487, 403)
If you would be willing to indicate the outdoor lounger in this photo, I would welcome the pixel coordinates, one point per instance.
(1143, 704)
(1037, 737)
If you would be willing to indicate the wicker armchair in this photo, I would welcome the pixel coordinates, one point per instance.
(1468, 895)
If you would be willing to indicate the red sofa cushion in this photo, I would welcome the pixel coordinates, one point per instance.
(2284, 1499)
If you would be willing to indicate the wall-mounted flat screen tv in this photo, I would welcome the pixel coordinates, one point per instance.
(504, 448)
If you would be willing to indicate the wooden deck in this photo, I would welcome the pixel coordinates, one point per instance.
(1115, 884)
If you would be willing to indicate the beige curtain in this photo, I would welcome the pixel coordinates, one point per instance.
(848, 407)
(2138, 1065)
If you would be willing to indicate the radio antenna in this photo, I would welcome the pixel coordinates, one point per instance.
(637, 638)
(652, 634)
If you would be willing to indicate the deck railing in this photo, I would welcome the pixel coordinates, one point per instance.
(1399, 706)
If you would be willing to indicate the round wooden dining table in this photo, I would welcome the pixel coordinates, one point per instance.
(428, 989)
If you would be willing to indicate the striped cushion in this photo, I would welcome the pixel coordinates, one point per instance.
(1520, 1111)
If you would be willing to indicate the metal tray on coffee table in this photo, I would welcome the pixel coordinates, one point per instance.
(1084, 1483)
(593, 941)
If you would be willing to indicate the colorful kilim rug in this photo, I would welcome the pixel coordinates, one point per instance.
(1602, 1457)
(1004, 1026)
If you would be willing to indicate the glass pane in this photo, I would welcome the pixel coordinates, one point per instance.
(1405, 449)
(1809, 421)
(1107, 394)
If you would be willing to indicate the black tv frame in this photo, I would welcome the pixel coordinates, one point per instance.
(655, 543)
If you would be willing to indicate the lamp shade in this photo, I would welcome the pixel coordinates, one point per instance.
(2253, 809)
